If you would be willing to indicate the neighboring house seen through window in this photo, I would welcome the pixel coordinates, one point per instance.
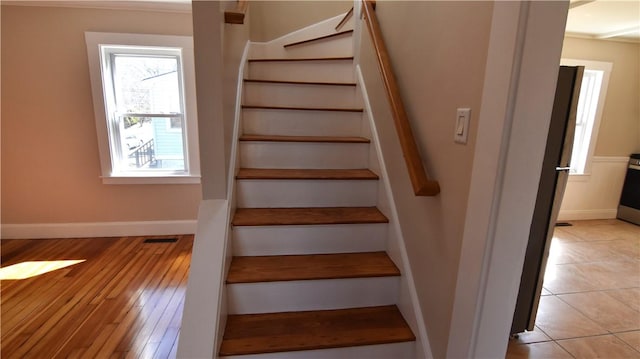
(143, 91)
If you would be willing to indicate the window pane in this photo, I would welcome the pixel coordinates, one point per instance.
(152, 143)
(145, 84)
(585, 117)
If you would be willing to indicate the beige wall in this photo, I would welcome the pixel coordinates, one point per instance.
(50, 163)
(440, 66)
(272, 19)
(620, 125)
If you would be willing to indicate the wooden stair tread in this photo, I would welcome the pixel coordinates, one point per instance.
(323, 174)
(301, 82)
(291, 331)
(303, 59)
(277, 138)
(312, 266)
(302, 108)
(324, 37)
(307, 216)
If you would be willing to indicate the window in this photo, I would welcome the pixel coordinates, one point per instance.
(144, 103)
(593, 92)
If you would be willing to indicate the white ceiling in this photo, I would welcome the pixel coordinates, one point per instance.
(605, 19)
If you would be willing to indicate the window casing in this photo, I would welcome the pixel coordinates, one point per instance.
(144, 102)
(593, 92)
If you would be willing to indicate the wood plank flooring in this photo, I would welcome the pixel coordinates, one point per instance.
(295, 173)
(274, 332)
(312, 266)
(301, 216)
(124, 301)
(331, 139)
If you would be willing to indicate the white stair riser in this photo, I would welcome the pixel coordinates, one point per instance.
(301, 295)
(306, 193)
(309, 239)
(313, 71)
(256, 154)
(301, 123)
(299, 95)
(404, 350)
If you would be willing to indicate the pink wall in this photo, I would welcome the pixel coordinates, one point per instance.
(50, 163)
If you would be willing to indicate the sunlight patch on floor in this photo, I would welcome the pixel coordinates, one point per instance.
(30, 269)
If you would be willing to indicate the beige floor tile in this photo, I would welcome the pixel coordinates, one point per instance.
(605, 346)
(546, 350)
(535, 336)
(562, 251)
(629, 296)
(545, 291)
(605, 310)
(616, 274)
(568, 278)
(563, 234)
(582, 277)
(561, 321)
(603, 230)
(595, 251)
(631, 338)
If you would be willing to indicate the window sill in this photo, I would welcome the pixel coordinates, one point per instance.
(193, 179)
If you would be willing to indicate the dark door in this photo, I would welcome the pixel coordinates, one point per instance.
(553, 179)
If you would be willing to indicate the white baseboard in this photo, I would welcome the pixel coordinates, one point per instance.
(584, 214)
(97, 229)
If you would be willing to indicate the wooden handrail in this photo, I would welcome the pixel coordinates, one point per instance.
(422, 185)
(236, 15)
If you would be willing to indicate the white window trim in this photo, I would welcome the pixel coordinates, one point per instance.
(93, 41)
(606, 67)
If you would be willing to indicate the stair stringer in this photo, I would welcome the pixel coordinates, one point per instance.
(408, 298)
(338, 47)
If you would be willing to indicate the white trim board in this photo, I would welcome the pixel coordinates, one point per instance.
(586, 214)
(97, 229)
(177, 6)
(409, 304)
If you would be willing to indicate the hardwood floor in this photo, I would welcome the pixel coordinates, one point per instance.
(124, 300)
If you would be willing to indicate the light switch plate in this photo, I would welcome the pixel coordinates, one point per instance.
(461, 131)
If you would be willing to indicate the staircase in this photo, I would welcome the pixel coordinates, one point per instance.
(310, 276)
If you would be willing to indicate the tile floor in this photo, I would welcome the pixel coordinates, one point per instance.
(590, 305)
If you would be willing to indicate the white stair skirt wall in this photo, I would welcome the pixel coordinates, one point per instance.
(306, 95)
(301, 123)
(339, 46)
(282, 240)
(597, 195)
(325, 294)
(309, 71)
(306, 193)
(206, 301)
(408, 298)
(97, 229)
(383, 351)
(257, 154)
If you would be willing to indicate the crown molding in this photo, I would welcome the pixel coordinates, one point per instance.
(596, 37)
(180, 6)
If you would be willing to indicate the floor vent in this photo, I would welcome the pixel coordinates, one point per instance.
(161, 240)
(563, 224)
